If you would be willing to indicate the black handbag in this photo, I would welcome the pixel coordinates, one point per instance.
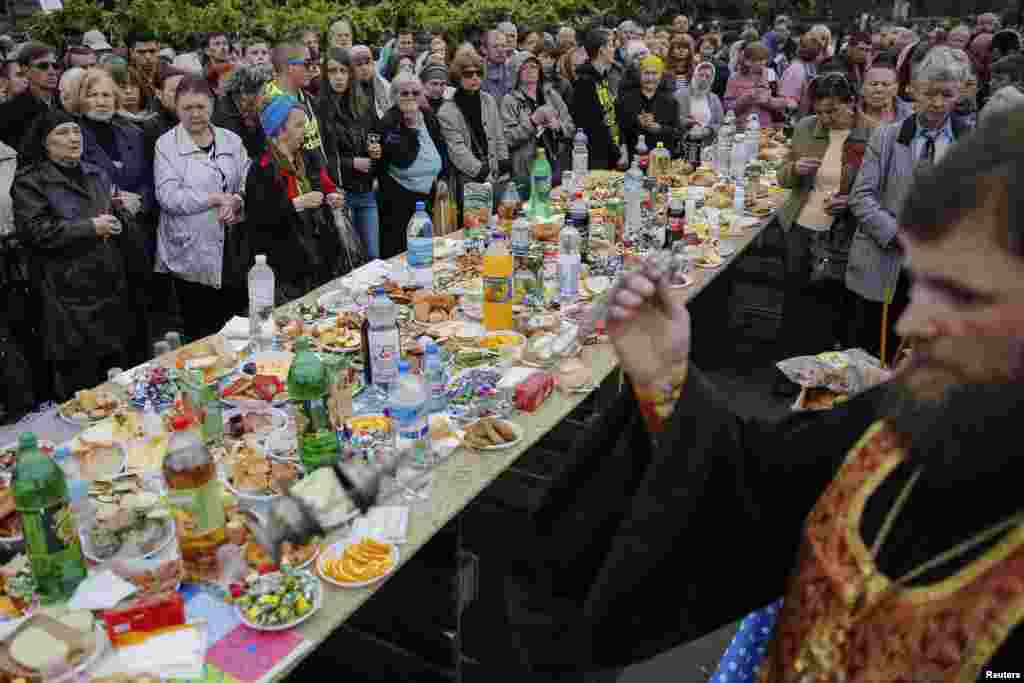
(830, 252)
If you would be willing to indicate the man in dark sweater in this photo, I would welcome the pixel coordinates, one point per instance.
(892, 525)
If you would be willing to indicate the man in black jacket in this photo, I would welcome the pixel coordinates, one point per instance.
(593, 102)
(18, 114)
(885, 523)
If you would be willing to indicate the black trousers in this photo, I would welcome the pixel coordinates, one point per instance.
(396, 205)
(868, 319)
(205, 309)
(815, 315)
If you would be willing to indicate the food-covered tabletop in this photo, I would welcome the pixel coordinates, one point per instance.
(169, 466)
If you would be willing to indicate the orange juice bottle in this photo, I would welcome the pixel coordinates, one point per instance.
(498, 284)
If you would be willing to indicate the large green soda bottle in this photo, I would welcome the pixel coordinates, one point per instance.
(308, 390)
(51, 539)
(540, 186)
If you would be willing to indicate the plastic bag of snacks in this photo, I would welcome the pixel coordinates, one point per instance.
(832, 377)
(477, 201)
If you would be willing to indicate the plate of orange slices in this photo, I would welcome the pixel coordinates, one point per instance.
(357, 563)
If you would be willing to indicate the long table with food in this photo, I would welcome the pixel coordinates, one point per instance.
(248, 620)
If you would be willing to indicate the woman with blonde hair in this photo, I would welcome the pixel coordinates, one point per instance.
(472, 125)
(680, 61)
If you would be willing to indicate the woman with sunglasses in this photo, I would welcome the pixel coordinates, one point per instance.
(349, 116)
(822, 165)
(414, 155)
(472, 126)
(39, 64)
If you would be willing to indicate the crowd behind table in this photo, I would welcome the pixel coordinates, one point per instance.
(139, 185)
(178, 139)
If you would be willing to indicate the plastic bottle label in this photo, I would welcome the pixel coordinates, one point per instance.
(569, 280)
(384, 348)
(204, 504)
(520, 241)
(410, 429)
(542, 186)
(498, 290)
(421, 252)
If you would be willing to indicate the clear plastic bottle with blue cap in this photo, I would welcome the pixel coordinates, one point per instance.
(408, 401)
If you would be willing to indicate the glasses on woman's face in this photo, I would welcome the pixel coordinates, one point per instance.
(44, 66)
(409, 93)
(472, 73)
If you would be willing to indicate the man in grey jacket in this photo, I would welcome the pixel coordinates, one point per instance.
(895, 152)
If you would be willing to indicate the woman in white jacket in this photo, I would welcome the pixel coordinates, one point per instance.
(200, 173)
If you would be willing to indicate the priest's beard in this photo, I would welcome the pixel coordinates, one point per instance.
(961, 421)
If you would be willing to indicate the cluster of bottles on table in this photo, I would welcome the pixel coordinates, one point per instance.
(735, 149)
(51, 496)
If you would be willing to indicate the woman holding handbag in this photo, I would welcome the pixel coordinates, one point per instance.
(823, 163)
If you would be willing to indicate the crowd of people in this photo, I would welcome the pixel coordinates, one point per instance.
(139, 182)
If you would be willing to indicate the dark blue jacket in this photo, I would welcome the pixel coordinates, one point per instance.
(135, 174)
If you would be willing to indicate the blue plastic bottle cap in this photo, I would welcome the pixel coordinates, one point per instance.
(421, 206)
(403, 367)
(379, 291)
(431, 347)
(78, 489)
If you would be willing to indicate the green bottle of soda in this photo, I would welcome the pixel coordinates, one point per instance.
(308, 390)
(540, 186)
(51, 537)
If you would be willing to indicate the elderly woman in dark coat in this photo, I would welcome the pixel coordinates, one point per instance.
(288, 193)
(79, 245)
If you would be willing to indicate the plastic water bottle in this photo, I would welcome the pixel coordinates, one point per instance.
(739, 158)
(633, 188)
(723, 156)
(579, 212)
(580, 156)
(433, 371)
(521, 234)
(152, 425)
(642, 153)
(753, 137)
(261, 305)
(408, 400)
(420, 255)
(381, 342)
(740, 198)
(568, 265)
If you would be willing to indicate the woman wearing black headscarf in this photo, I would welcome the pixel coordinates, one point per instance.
(80, 246)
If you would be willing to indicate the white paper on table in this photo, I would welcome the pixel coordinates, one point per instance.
(515, 376)
(236, 328)
(101, 590)
(180, 653)
(386, 522)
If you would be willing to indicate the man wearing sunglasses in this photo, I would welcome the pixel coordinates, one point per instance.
(292, 74)
(39, 63)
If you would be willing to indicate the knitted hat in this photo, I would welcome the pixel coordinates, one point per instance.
(434, 72)
(276, 113)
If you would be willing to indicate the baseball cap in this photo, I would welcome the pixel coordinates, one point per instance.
(96, 40)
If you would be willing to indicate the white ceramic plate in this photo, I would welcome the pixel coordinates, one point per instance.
(169, 534)
(328, 324)
(515, 427)
(101, 641)
(250, 403)
(317, 604)
(335, 551)
(279, 417)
